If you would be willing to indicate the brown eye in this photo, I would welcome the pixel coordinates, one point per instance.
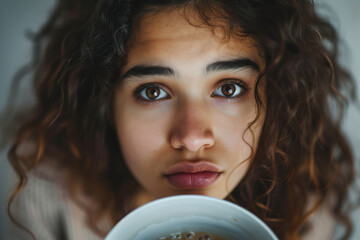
(229, 90)
(151, 93)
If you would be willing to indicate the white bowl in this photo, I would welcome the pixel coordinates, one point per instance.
(177, 214)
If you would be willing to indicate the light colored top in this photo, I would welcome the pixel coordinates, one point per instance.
(46, 209)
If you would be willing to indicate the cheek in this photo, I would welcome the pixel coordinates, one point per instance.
(239, 148)
(230, 140)
(232, 123)
(238, 142)
(140, 137)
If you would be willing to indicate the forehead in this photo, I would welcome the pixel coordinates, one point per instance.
(175, 34)
(155, 25)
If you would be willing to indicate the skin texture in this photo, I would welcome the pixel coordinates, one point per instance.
(191, 121)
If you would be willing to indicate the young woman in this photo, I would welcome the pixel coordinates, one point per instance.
(139, 100)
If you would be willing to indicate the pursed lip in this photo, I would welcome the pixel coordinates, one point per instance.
(192, 175)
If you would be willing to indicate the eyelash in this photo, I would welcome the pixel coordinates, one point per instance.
(243, 89)
(138, 91)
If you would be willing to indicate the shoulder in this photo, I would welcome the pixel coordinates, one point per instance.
(38, 206)
(322, 223)
(46, 208)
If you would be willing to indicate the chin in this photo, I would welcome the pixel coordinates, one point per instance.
(203, 192)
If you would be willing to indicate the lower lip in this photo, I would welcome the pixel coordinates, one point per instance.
(193, 180)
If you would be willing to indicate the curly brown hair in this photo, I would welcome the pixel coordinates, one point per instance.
(302, 152)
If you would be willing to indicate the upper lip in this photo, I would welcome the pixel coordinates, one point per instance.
(192, 167)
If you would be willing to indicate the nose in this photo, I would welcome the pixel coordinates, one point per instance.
(192, 128)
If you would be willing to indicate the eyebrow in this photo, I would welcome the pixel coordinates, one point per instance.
(145, 70)
(154, 70)
(235, 64)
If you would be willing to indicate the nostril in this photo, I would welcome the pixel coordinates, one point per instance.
(192, 129)
(192, 141)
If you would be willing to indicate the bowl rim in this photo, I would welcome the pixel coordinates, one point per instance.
(191, 197)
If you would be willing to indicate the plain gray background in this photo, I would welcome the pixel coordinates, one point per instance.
(19, 16)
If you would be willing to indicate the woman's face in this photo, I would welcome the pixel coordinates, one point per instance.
(185, 98)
